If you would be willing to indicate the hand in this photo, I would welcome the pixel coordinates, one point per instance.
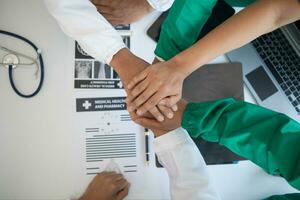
(127, 66)
(123, 11)
(160, 128)
(160, 83)
(107, 186)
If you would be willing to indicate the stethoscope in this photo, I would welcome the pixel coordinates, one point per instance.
(12, 60)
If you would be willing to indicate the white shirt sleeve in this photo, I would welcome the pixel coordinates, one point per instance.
(80, 20)
(189, 178)
(161, 5)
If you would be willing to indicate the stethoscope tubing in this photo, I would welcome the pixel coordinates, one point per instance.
(10, 68)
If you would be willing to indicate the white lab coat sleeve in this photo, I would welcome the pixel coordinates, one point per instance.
(80, 20)
(188, 175)
(161, 5)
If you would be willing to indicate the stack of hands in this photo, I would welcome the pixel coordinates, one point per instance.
(158, 88)
(162, 115)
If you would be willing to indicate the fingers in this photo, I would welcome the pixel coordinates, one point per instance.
(166, 111)
(123, 193)
(135, 92)
(170, 101)
(121, 184)
(117, 181)
(145, 97)
(157, 114)
(174, 108)
(117, 177)
(152, 102)
(137, 79)
(133, 116)
(139, 88)
(163, 102)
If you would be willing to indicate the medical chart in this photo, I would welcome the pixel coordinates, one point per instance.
(106, 139)
(111, 137)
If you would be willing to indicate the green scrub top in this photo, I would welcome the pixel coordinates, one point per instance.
(269, 139)
(184, 23)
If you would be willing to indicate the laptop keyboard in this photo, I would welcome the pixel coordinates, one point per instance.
(283, 62)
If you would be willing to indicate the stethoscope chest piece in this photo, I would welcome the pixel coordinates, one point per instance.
(10, 60)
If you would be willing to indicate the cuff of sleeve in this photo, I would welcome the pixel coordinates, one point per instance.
(160, 5)
(200, 117)
(188, 119)
(170, 140)
(112, 51)
(166, 48)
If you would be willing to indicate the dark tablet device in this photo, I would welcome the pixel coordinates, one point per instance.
(221, 12)
(154, 31)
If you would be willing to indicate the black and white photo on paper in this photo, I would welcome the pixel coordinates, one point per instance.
(102, 71)
(83, 69)
(93, 74)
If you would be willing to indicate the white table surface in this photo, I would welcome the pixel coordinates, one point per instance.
(34, 134)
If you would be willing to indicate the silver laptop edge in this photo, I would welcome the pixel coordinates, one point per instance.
(251, 60)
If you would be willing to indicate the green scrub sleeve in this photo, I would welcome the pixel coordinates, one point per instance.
(184, 23)
(182, 26)
(293, 196)
(269, 139)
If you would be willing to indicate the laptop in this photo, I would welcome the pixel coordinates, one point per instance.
(271, 69)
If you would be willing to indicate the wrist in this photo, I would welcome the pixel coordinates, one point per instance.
(127, 65)
(118, 58)
(122, 63)
(180, 65)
